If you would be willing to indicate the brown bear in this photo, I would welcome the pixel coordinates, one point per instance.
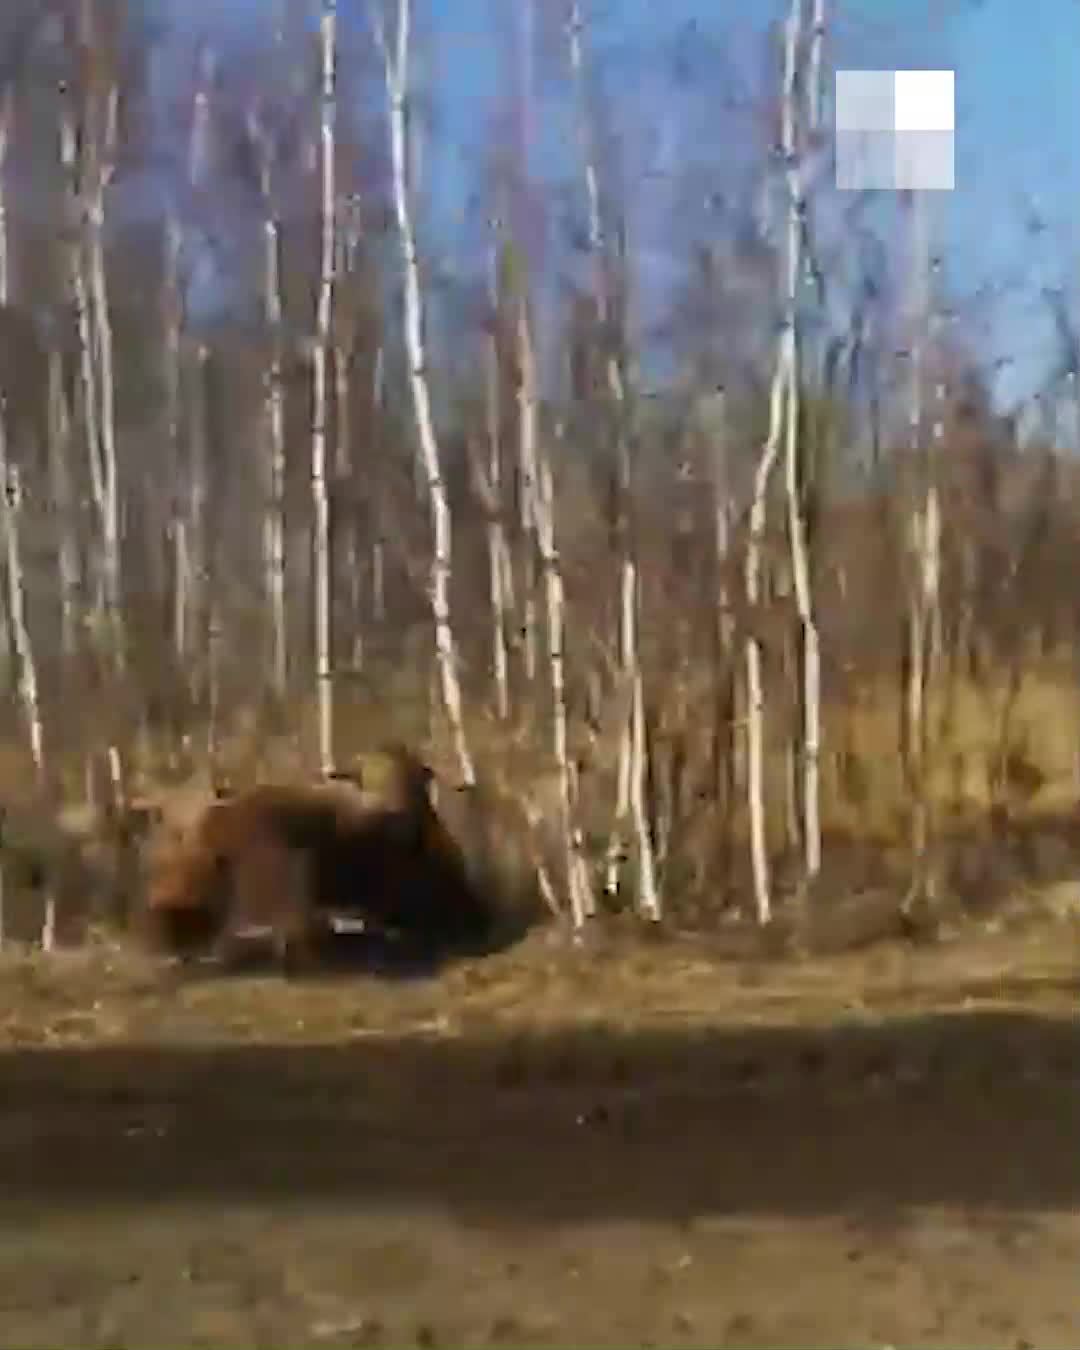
(248, 864)
(366, 844)
(394, 863)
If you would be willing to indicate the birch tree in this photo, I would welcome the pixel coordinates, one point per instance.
(178, 522)
(755, 694)
(632, 763)
(713, 427)
(273, 533)
(190, 455)
(80, 296)
(540, 503)
(498, 553)
(10, 508)
(61, 487)
(925, 539)
(396, 71)
(810, 694)
(91, 174)
(7, 117)
(324, 316)
(783, 401)
(197, 588)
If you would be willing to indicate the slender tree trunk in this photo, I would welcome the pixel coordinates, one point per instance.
(59, 425)
(214, 641)
(378, 551)
(396, 71)
(724, 640)
(197, 577)
(810, 664)
(496, 534)
(80, 293)
(648, 897)
(343, 543)
(528, 601)
(378, 581)
(320, 496)
(925, 535)
(10, 508)
(755, 695)
(274, 517)
(540, 501)
(7, 115)
(632, 764)
(103, 336)
(90, 160)
(178, 539)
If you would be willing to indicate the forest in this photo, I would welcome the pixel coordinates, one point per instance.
(510, 380)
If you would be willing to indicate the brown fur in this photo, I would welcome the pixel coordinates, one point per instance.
(245, 865)
(287, 857)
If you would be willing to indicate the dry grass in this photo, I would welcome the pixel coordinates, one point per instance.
(990, 746)
(107, 993)
(997, 753)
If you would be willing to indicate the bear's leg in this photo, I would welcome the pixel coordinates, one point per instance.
(294, 929)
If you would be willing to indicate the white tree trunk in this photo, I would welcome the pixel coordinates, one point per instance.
(716, 431)
(7, 114)
(755, 695)
(98, 166)
(110, 477)
(648, 897)
(800, 566)
(214, 639)
(197, 579)
(528, 604)
(189, 468)
(10, 507)
(182, 586)
(88, 162)
(343, 476)
(173, 324)
(540, 502)
(274, 518)
(528, 565)
(632, 764)
(925, 547)
(616, 849)
(59, 427)
(378, 581)
(926, 544)
(320, 495)
(496, 533)
(396, 72)
(378, 551)
(80, 293)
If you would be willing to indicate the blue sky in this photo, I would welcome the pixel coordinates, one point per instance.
(1017, 118)
(1017, 124)
(1017, 151)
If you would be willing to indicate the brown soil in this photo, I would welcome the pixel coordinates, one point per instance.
(644, 1144)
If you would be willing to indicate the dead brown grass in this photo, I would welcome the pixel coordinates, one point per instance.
(109, 993)
(1000, 751)
(980, 733)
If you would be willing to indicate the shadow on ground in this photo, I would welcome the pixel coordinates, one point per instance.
(354, 953)
(975, 1110)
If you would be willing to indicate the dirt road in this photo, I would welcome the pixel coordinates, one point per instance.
(868, 1181)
